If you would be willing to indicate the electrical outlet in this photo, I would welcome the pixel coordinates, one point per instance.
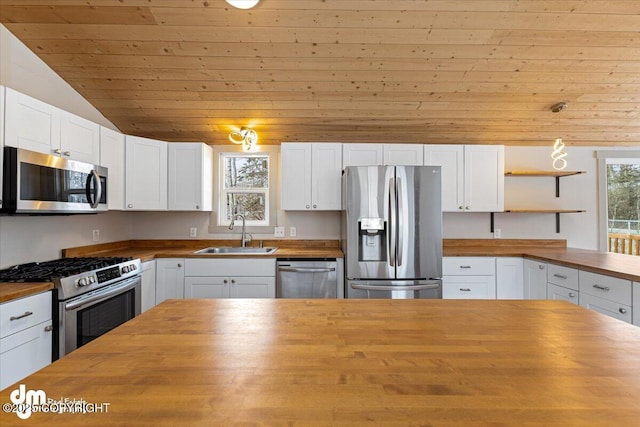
(278, 232)
(96, 235)
(293, 232)
(193, 231)
(497, 233)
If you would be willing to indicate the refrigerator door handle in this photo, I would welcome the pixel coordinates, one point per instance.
(395, 288)
(392, 223)
(399, 221)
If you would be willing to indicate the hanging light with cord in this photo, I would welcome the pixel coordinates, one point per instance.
(558, 154)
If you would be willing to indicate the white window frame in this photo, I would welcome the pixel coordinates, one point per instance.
(605, 158)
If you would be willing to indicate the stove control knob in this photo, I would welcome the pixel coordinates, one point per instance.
(92, 279)
(82, 282)
(125, 269)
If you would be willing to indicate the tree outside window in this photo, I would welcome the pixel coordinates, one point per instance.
(244, 188)
(623, 207)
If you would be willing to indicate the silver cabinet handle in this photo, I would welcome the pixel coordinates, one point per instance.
(22, 316)
(465, 289)
(179, 265)
(572, 295)
(197, 206)
(308, 206)
(560, 276)
(602, 288)
(48, 328)
(57, 151)
(67, 153)
(460, 207)
(622, 310)
(130, 205)
(467, 208)
(315, 206)
(225, 281)
(465, 266)
(541, 267)
(233, 281)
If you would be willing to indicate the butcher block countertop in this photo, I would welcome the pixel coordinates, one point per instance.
(11, 291)
(351, 362)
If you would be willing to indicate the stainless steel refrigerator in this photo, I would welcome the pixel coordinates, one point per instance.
(392, 231)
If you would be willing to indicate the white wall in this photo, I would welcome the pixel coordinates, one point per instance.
(26, 239)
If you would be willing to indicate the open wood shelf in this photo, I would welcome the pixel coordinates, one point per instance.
(558, 174)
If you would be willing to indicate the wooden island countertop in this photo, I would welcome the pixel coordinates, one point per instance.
(352, 362)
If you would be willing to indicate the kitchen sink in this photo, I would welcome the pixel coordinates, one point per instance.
(235, 250)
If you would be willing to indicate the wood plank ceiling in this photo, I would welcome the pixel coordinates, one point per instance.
(416, 71)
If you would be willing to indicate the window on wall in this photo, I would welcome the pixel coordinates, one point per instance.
(244, 188)
(619, 183)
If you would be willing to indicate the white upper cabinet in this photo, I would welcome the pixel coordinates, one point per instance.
(37, 126)
(472, 176)
(362, 155)
(79, 138)
(112, 157)
(146, 174)
(190, 177)
(311, 176)
(31, 124)
(403, 154)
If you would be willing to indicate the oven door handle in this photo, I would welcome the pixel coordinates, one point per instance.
(102, 294)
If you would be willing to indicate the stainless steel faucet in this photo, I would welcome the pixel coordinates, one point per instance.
(243, 237)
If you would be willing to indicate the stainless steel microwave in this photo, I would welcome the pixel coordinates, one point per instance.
(36, 183)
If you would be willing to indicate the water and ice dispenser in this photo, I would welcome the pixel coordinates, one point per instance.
(372, 245)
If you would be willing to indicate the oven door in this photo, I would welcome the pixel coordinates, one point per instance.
(91, 315)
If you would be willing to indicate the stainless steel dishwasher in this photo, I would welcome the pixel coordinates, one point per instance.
(299, 278)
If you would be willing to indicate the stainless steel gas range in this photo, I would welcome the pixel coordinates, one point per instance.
(91, 295)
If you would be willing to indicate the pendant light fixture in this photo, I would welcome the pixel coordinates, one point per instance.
(245, 136)
(558, 154)
(243, 4)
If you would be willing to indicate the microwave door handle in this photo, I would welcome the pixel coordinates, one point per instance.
(98, 189)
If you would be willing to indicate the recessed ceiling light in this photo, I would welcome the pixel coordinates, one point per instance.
(243, 4)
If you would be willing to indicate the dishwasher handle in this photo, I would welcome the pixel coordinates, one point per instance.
(307, 269)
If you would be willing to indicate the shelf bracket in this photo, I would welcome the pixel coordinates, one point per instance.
(557, 222)
(491, 222)
(557, 186)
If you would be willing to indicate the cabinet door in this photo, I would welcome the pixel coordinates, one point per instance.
(326, 176)
(509, 278)
(484, 178)
(206, 287)
(610, 308)
(253, 287)
(636, 303)
(31, 124)
(361, 155)
(146, 174)
(555, 292)
(451, 159)
(403, 154)
(169, 279)
(190, 182)
(112, 157)
(535, 279)
(469, 287)
(79, 138)
(295, 176)
(25, 352)
(148, 299)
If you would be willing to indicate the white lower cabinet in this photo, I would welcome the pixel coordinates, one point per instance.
(230, 278)
(555, 292)
(169, 279)
(535, 279)
(509, 278)
(148, 299)
(607, 295)
(469, 278)
(636, 303)
(26, 337)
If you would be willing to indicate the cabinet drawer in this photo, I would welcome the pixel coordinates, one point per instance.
(26, 312)
(604, 306)
(468, 266)
(555, 292)
(563, 276)
(607, 287)
(230, 267)
(479, 287)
